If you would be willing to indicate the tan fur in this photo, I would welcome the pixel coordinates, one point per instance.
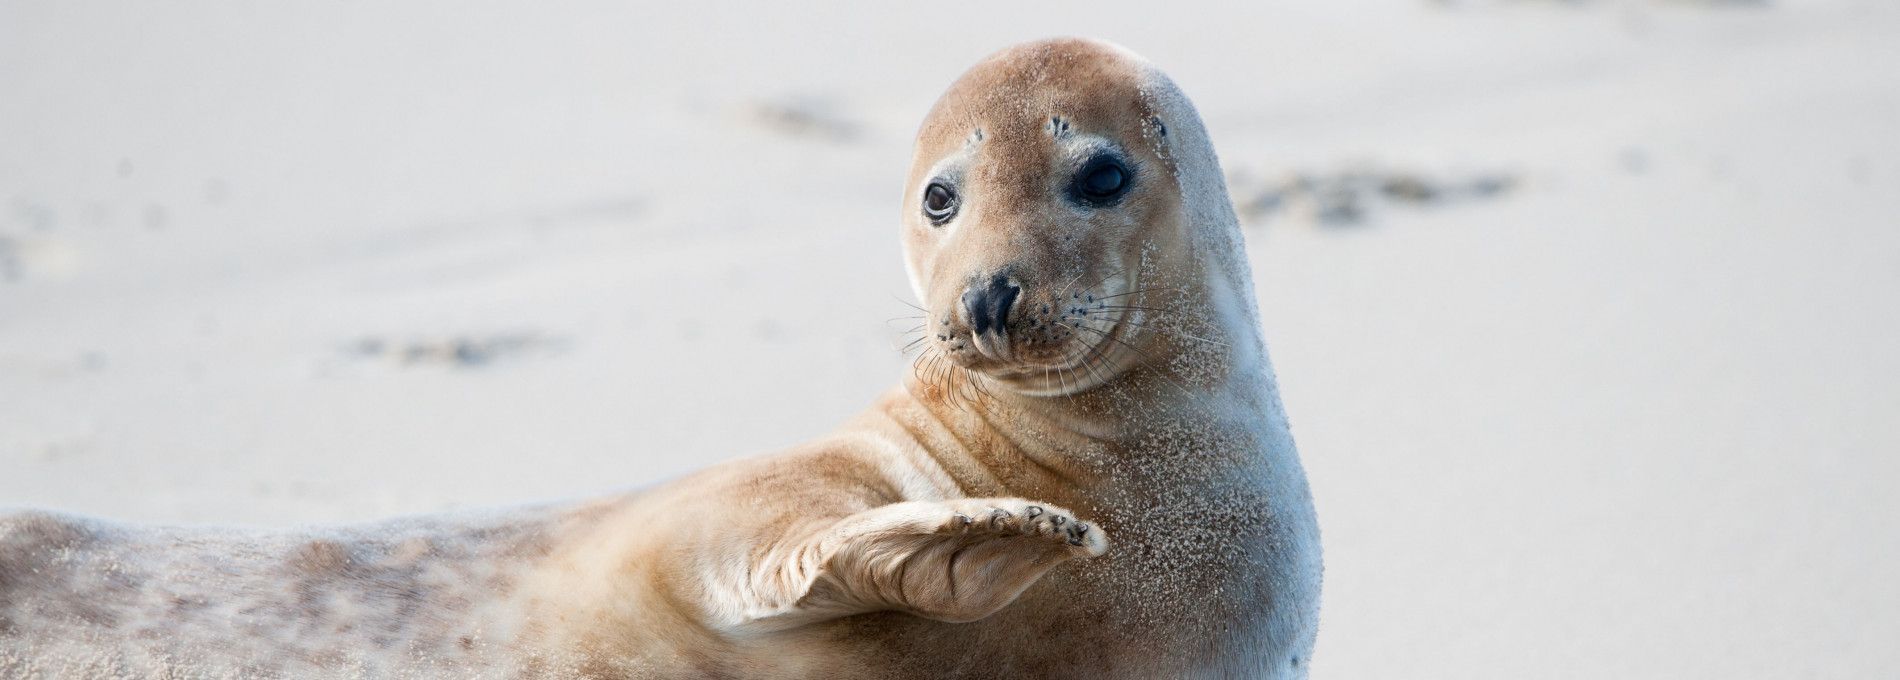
(959, 528)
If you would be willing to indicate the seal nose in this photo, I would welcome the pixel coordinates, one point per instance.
(987, 304)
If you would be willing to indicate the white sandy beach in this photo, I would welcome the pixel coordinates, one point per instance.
(1588, 322)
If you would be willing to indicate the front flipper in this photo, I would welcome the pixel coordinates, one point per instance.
(955, 561)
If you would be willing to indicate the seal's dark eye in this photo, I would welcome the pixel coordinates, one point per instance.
(1104, 181)
(940, 203)
(1101, 181)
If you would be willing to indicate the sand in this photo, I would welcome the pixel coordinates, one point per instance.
(1584, 312)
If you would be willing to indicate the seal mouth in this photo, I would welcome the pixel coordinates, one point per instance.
(1062, 346)
(1095, 353)
(1060, 341)
(996, 346)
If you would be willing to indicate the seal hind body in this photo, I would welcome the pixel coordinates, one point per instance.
(1087, 474)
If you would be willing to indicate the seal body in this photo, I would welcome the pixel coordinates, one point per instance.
(1087, 474)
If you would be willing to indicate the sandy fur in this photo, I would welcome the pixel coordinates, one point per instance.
(1129, 504)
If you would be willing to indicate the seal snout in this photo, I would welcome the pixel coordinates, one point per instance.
(986, 304)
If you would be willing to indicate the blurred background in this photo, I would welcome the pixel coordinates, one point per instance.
(1587, 314)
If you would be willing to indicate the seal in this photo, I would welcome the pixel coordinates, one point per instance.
(1090, 365)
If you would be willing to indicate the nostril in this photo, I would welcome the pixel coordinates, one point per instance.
(1003, 294)
(976, 309)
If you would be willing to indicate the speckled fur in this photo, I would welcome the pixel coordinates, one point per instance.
(81, 598)
(1114, 495)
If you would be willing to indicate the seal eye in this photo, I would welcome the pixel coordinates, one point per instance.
(1104, 181)
(1101, 181)
(940, 203)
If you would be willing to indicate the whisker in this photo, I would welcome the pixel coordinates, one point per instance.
(971, 380)
(1171, 331)
(1117, 272)
(1140, 290)
(1105, 278)
(949, 377)
(1127, 307)
(910, 305)
(1164, 330)
(916, 365)
(1064, 375)
(1065, 285)
(1063, 378)
(947, 382)
(1089, 365)
(937, 385)
(1158, 370)
(976, 381)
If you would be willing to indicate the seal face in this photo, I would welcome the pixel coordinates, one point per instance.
(1035, 195)
(1093, 368)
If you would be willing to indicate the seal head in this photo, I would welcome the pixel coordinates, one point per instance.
(1046, 201)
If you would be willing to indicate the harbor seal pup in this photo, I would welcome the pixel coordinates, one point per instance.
(1087, 474)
